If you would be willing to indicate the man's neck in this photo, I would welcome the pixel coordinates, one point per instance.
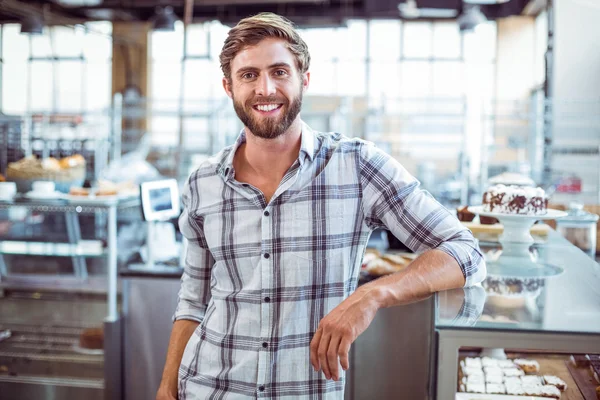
(271, 158)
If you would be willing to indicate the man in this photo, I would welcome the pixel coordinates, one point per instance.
(277, 226)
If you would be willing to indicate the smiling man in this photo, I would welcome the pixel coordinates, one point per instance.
(277, 227)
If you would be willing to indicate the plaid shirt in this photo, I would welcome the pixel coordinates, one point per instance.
(259, 277)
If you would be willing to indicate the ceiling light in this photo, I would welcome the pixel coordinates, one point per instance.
(470, 18)
(32, 25)
(164, 20)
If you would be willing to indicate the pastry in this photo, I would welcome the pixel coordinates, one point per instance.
(464, 214)
(106, 192)
(595, 368)
(515, 200)
(512, 372)
(598, 392)
(531, 380)
(506, 364)
(580, 360)
(550, 391)
(79, 191)
(92, 338)
(474, 362)
(2, 178)
(473, 379)
(476, 388)
(512, 380)
(555, 381)
(515, 389)
(528, 366)
(532, 390)
(50, 164)
(494, 379)
(489, 362)
(468, 371)
(493, 371)
(73, 161)
(487, 220)
(494, 388)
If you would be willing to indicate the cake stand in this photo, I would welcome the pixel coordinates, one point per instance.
(517, 226)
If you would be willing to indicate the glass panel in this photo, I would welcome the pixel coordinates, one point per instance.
(99, 85)
(202, 79)
(384, 40)
(556, 303)
(384, 80)
(15, 47)
(351, 79)
(41, 86)
(322, 80)
(97, 41)
(69, 86)
(448, 79)
(165, 131)
(480, 45)
(416, 79)
(197, 40)
(321, 43)
(68, 42)
(40, 45)
(14, 88)
(417, 39)
(218, 34)
(446, 40)
(357, 41)
(166, 78)
(168, 46)
(196, 134)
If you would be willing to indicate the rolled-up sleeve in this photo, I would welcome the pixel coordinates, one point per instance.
(392, 199)
(194, 293)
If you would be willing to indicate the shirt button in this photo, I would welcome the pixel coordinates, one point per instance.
(267, 255)
(261, 388)
(265, 345)
(267, 299)
(266, 213)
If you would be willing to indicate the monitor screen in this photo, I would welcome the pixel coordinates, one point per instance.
(160, 200)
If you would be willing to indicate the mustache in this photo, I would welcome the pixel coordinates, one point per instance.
(267, 100)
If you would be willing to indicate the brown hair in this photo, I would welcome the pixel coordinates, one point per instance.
(250, 31)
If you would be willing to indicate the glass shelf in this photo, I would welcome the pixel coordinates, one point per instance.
(84, 248)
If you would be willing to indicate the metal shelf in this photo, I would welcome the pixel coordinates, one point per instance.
(60, 205)
(85, 248)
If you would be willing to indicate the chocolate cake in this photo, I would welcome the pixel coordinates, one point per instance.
(464, 214)
(515, 200)
(92, 338)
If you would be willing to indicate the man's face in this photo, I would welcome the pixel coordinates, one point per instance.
(266, 88)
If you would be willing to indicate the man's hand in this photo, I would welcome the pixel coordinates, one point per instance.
(339, 329)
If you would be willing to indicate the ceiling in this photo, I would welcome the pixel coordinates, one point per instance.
(302, 12)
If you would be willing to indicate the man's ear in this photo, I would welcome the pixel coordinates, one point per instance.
(305, 81)
(227, 87)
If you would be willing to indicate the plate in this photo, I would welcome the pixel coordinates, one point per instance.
(550, 214)
(44, 196)
(478, 396)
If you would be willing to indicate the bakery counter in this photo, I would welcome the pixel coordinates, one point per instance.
(552, 309)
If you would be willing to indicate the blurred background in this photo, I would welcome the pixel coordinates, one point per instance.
(102, 95)
(457, 90)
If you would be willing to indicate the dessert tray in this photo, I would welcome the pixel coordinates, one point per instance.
(517, 226)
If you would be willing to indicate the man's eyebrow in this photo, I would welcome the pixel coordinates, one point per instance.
(272, 66)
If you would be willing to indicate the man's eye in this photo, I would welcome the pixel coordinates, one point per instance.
(248, 75)
(280, 72)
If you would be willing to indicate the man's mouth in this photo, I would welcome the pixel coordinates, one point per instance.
(267, 108)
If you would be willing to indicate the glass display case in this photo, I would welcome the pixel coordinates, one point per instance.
(60, 298)
(545, 318)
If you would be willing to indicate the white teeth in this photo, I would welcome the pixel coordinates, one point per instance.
(267, 108)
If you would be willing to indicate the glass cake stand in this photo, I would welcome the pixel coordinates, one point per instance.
(516, 260)
(517, 226)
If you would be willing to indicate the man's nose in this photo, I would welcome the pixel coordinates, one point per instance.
(265, 86)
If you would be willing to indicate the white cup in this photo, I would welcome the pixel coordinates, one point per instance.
(7, 190)
(44, 187)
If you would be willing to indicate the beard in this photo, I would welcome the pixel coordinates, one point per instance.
(268, 127)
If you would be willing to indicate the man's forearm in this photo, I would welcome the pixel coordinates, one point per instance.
(180, 335)
(431, 272)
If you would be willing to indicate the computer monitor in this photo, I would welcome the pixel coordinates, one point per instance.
(160, 200)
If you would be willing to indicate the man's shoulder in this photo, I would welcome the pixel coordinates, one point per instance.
(339, 141)
(211, 165)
